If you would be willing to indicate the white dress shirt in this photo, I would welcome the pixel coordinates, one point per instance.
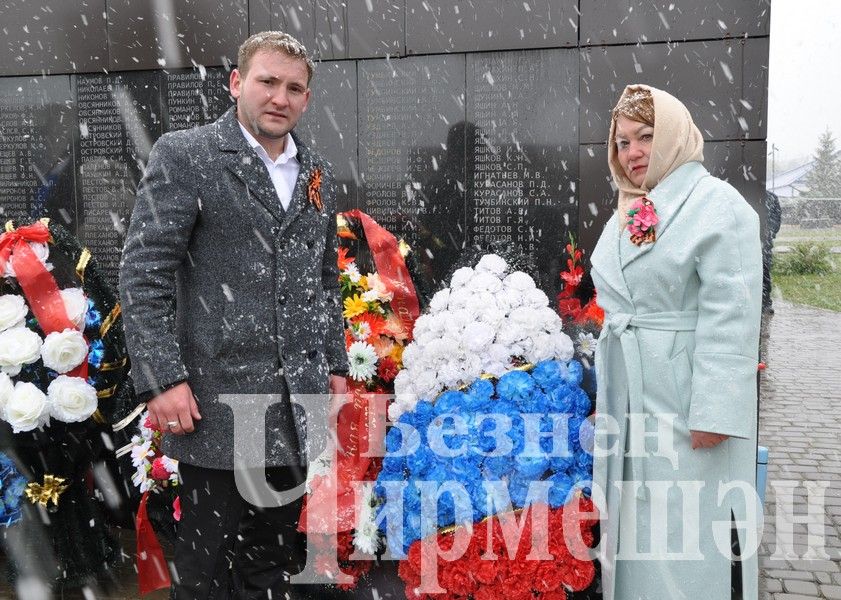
(283, 171)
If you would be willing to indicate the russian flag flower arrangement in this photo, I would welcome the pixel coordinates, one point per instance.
(489, 433)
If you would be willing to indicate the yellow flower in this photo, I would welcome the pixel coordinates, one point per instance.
(397, 354)
(363, 282)
(354, 306)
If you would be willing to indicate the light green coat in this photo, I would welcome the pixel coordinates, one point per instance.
(681, 337)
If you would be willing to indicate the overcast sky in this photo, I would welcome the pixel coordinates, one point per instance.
(804, 87)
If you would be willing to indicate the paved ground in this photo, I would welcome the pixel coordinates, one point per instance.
(800, 423)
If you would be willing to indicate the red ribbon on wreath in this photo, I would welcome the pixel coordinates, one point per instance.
(152, 572)
(392, 269)
(360, 433)
(38, 285)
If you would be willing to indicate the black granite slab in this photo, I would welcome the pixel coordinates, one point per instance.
(52, 36)
(631, 21)
(37, 119)
(119, 120)
(522, 152)
(412, 136)
(194, 97)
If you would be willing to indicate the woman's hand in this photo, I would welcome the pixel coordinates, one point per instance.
(705, 439)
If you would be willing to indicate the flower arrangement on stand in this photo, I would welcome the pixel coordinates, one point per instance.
(489, 427)
(581, 313)
(63, 382)
(379, 307)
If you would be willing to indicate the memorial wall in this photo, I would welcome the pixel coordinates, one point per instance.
(452, 123)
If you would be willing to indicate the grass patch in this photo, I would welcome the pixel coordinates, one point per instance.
(821, 291)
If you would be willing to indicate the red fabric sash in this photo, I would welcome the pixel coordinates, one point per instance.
(152, 572)
(38, 285)
(392, 269)
(331, 507)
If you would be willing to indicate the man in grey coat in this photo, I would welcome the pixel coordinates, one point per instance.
(229, 285)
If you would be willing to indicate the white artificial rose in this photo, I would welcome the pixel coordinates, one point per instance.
(76, 306)
(492, 263)
(439, 301)
(27, 407)
(13, 311)
(6, 389)
(18, 346)
(71, 399)
(64, 350)
(461, 277)
(42, 253)
(519, 281)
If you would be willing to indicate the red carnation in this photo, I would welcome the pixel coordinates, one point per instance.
(387, 369)
(159, 471)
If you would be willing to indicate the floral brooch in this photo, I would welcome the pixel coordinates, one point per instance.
(642, 217)
(314, 189)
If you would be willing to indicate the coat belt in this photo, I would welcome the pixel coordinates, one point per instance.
(622, 327)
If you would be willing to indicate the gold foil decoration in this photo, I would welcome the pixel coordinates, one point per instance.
(107, 393)
(109, 320)
(404, 248)
(82, 264)
(47, 492)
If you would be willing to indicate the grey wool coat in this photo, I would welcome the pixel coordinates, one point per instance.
(680, 339)
(225, 289)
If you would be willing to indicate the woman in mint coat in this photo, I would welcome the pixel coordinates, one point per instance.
(678, 271)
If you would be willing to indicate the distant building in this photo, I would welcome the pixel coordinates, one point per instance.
(792, 183)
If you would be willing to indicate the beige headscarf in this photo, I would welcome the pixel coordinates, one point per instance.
(677, 141)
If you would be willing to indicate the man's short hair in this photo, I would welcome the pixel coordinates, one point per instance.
(274, 41)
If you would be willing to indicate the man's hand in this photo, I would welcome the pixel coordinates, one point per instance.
(175, 409)
(705, 439)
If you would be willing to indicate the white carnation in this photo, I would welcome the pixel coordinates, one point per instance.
(27, 407)
(42, 253)
(439, 301)
(13, 311)
(519, 281)
(71, 399)
(535, 298)
(18, 346)
(64, 350)
(510, 299)
(76, 306)
(491, 315)
(477, 336)
(492, 263)
(461, 277)
(484, 282)
(460, 298)
(6, 389)
(563, 347)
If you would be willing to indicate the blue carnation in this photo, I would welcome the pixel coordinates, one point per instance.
(561, 399)
(394, 464)
(96, 351)
(572, 372)
(559, 492)
(531, 466)
(420, 461)
(93, 318)
(562, 463)
(547, 374)
(515, 386)
(482, 389)
(423, 414)
(12, 483)
(587, 436)
(498, 466)
(450, 402)
(582, 406)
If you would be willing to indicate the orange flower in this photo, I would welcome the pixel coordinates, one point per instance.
(394, 328)
(375, 322)
(383, 346)
(397, 355)
(344, 260)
